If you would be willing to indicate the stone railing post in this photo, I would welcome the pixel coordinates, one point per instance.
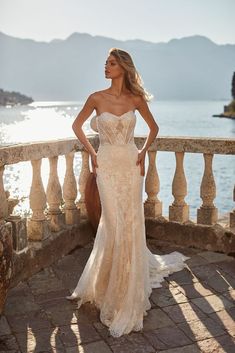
(179, 210)
(207, 213)
(84, 174)
(54, 197)
(152, 206)
(70, 192)
(232, 214)
(38, 228)
(3, 199)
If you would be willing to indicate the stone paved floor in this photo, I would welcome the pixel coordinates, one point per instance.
(193, 312)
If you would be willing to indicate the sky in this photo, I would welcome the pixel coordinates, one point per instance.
(151, 20)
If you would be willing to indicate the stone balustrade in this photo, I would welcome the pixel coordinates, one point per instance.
(179, 211)
(56, 207)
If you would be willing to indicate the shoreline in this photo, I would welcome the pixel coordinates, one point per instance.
(224, 116)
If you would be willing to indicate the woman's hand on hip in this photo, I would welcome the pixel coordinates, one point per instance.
(94, 163)
(141, 161)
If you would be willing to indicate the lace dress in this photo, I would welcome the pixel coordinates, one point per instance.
(121, 271)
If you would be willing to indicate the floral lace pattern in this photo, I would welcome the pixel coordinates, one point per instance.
(121, 271)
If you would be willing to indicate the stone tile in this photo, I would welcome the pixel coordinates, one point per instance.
(184, 312)
(192, 348)
(167, 296)
(212, 303)
(51, 296)
(182, 277)
(213, 257)
(59, 316)
(69, 280)
(45, 281)
(34, 320)
(43, 340)
(66, 313)
(134, 342)
(195, 290)
(81, 255)
(4, 327)
(69, 270)
(129, 343)
(105, 334)
(8, 343)
(156, 318)
(170, 336)
(222, 344)
(89, 312)
(196, 260)
(185, 251)
(94, 347)
(226, 319)
(230, 295)
(68, 264)
(60, 304)
(153, 305)
(154, 340)
(22, 289)
(204, 272)
(227, 267)
(75, 334)
(200, 330)
(20, 305)
(221, 282)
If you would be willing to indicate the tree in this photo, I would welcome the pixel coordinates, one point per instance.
(233, 86)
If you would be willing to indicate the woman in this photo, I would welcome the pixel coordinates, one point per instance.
(121, 271)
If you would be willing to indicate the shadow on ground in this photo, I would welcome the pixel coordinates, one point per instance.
(193, 312)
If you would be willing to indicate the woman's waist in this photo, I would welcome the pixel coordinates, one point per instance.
(120, 146)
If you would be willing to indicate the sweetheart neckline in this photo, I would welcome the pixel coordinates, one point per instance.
(117, 116)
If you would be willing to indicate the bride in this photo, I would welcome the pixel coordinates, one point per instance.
(121, 271)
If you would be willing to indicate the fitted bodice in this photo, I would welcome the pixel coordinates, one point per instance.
(114, 129)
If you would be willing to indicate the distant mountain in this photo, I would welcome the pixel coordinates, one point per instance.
(188, 68)
(12, 98)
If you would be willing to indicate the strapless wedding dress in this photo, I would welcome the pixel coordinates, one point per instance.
(121, 271)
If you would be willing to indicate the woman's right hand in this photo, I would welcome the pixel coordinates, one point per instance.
(94, 163)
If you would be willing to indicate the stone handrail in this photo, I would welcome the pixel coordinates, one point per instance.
(41, 223)
(25, 152)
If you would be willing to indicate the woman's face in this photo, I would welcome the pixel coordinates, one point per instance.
(112, 68)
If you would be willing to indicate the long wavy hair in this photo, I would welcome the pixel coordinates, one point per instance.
(132, 78)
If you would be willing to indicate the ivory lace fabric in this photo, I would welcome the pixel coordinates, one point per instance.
(121, 271)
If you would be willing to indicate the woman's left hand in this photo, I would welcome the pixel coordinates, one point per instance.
(141, 161)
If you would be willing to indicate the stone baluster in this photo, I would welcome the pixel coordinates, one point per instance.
(38, 228)
(54, 197)
(3, 199)
(152, 206)
(70, 192)
(84, 174)
(179, 210)
(232, 214)
(207, 213)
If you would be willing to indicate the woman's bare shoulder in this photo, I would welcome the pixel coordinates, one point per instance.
(138, 100)
(98, 94)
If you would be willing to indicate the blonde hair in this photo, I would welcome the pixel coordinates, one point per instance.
(132, 78)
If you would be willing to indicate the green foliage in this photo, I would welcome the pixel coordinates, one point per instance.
(231, 106)
(233, 86)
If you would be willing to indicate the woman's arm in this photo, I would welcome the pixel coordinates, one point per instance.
(84, 114)
(143, 109)
(148, 117)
